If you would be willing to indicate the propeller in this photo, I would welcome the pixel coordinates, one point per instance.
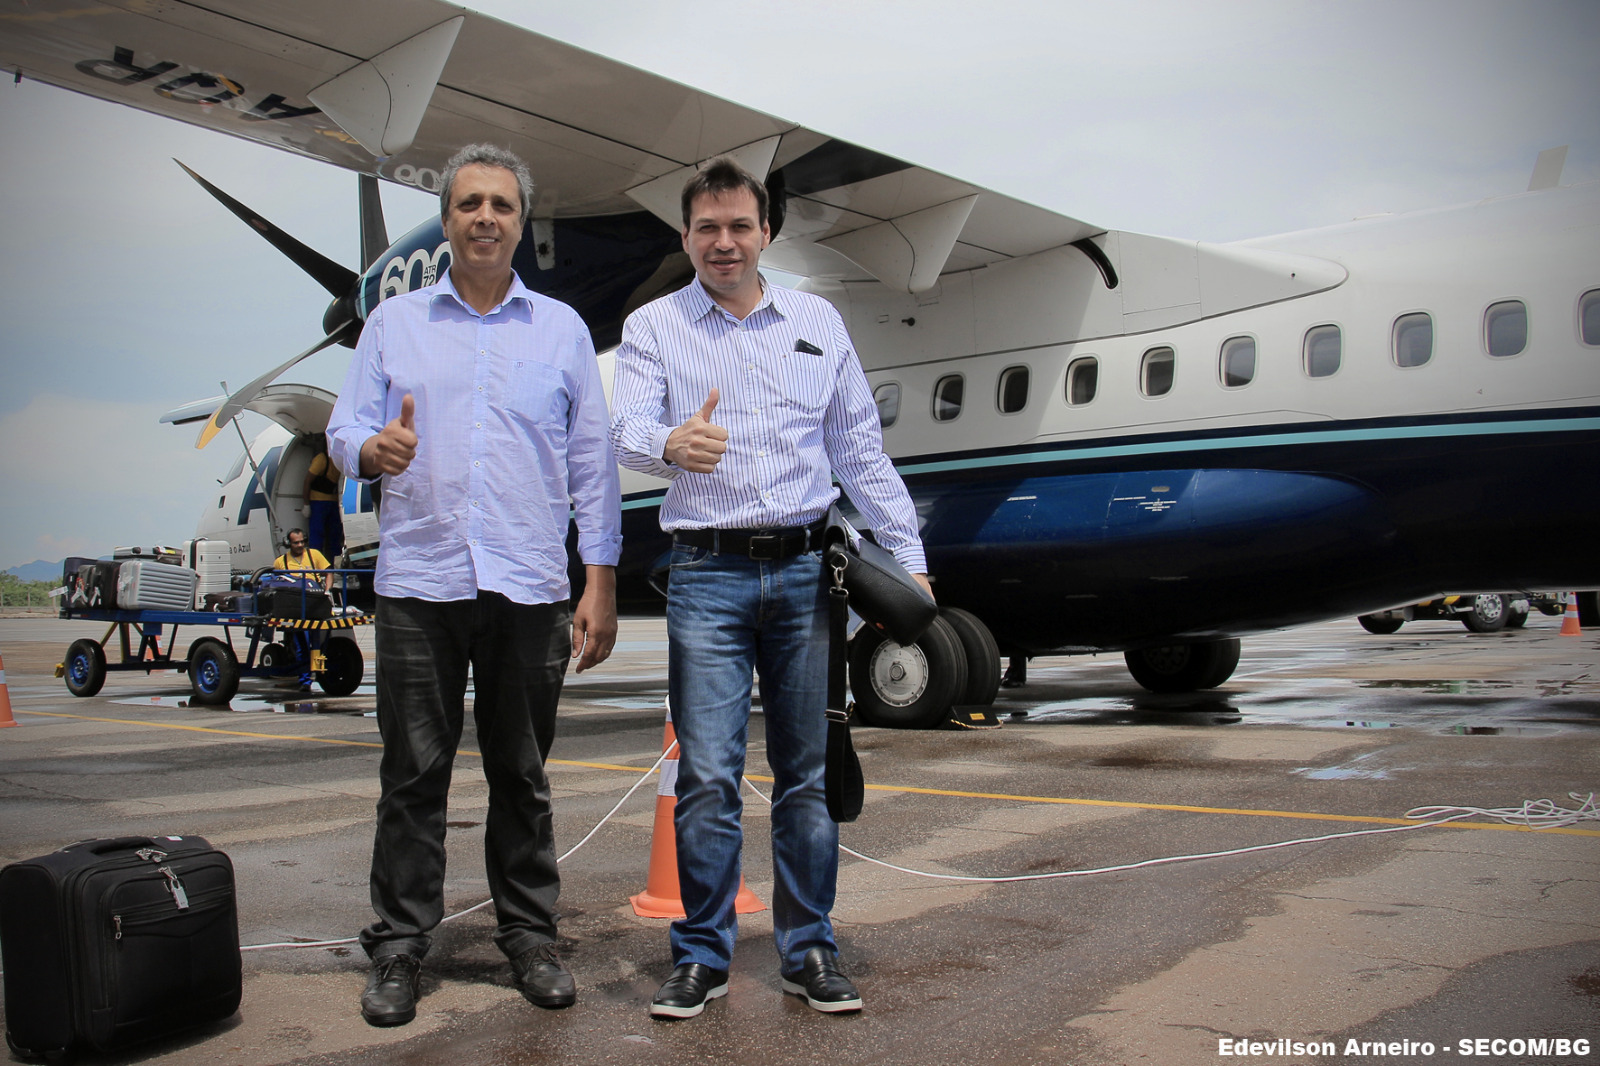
(341, 323)
(236, 402)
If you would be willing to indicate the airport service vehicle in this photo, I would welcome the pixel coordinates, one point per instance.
(1484, 612)
(259, 640)
(1115, 441)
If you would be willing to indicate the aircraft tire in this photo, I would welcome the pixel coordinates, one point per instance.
(1488, 613)
(911, 686)
(983, 657)
(345, 668)
(85, 668)
(1184, 667)
(213, 672)
(274, 656)
(1380, 625)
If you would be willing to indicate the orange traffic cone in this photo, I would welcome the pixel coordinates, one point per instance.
(5, 699)
(661, 897)
(1569, 622)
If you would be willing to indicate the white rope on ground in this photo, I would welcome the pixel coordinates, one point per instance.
(1535, 814)
(479, 906)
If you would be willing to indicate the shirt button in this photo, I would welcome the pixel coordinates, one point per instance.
(476, 463)
(474, 503)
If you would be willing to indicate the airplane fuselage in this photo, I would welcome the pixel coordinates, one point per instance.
(1104, 461)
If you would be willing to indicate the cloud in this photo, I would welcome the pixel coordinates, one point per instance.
(82, 476)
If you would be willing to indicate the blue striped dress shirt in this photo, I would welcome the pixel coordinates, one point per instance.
(511, 439)
(795, 420)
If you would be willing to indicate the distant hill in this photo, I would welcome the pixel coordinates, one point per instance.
(38, 570)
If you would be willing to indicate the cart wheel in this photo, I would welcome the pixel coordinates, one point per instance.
(86, 668)
(345, 667)
(213, 671)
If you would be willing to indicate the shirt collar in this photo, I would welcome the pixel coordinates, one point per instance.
(446, 287)
(702, 304)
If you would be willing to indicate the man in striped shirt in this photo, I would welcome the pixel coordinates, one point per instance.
(750, 399)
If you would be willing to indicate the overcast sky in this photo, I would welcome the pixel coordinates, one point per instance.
(126, 291)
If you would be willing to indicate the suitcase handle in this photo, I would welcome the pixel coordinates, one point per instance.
(109, 844)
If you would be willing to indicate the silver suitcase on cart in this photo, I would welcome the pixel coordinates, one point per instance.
(146, 585)
(213, 561)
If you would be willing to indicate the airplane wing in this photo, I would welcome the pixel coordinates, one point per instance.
(393, 87)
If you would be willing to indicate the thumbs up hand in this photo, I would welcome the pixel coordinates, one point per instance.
(698, 444)
(391, 450)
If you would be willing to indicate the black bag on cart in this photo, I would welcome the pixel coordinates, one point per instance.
(110, 942)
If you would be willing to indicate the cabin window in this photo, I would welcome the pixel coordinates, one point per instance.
(947, 396)
(1156, 371)
(1589, 318)
(887, 396)
(1505, 328)
(1083, 379)
(1413, 339)
(1238, 361)
(1012, 395)
(1324, 346)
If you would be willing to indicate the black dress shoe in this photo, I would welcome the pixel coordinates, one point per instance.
(685, 993)
(543, 980)
(821, 983)
(391, 995)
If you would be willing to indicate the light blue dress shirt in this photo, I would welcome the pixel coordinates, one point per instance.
(796, 420)
(511, 438)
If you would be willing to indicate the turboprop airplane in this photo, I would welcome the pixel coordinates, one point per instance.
(1116, 442)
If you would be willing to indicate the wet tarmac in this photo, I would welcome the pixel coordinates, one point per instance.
(1430, 935)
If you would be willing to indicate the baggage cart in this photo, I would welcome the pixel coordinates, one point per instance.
(259, 626)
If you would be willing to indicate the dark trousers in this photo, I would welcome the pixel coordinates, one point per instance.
(518, 654)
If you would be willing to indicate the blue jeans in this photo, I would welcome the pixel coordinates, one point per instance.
(727, 617)
(518, 654)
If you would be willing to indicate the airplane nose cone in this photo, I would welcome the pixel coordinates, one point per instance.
(339, 312)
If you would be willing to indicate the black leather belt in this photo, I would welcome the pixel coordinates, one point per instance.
(767, 545)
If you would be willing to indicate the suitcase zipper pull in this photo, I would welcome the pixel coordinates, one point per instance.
(179, 896)
(151, 854)
(116, 920)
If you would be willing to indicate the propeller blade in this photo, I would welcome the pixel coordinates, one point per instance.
(236, 403)
(374, 235)
(338, 280)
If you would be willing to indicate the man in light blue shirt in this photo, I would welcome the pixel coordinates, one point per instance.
(750, 398)
(480, 405)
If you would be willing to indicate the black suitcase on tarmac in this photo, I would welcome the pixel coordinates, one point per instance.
(110, 942)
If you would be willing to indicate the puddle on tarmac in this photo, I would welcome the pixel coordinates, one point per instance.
(1101, 711)
(630, 704)
(291, 703)
(1495, 715)
(1361, 768)
(1465, 730)
(1448, 688)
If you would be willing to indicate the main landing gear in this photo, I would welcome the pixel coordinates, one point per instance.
(914, 686)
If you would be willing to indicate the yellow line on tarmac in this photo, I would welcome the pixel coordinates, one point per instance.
(291, 736)
(1008, 797)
